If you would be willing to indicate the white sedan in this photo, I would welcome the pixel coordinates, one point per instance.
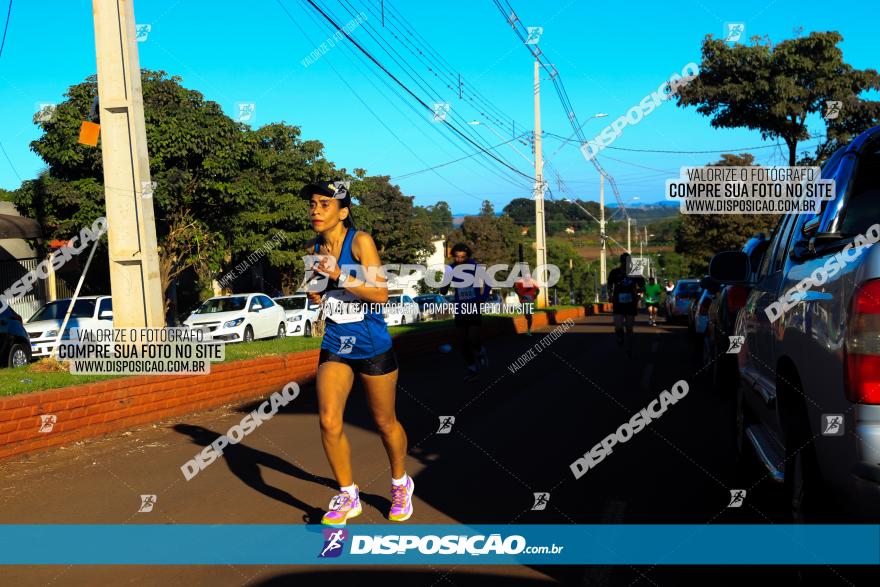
(88, 312)
(301, 314)
(400, 310)
(241, 317)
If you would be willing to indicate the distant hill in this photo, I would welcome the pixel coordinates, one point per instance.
(648, 212)
(523, 210)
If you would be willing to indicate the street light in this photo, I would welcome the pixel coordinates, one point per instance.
(497, 134)
(569, 139)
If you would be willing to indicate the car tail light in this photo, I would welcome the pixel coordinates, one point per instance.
(736, 297)
(704, 306)
(863, 345)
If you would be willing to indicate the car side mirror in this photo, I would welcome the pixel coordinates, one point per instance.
(730, 267)
(106, 315)
(709, 284)
(256, 309)
(810, 227)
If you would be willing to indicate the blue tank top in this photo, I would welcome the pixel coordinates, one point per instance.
(354, 340)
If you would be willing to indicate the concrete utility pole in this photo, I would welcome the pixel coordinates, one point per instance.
(134, 258)
(629, 235)
(540, 239)
(642, 242)
(603, 261)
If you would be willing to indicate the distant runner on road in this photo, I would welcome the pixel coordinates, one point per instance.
(354, 343)
(468, 318)
(527, 290)
(625, 291)
(652, 299)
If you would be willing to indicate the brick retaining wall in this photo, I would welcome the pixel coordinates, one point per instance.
(94, 409)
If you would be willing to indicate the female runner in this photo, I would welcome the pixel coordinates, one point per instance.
(354, 343)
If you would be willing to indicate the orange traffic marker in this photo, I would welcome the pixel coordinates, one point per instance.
(88, 133)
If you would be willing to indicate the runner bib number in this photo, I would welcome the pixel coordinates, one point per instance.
(465, 294)
(339, 307)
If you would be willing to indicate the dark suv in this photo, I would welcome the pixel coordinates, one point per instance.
(809, 393)
(15, 346)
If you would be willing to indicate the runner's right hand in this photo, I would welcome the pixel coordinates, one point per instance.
(314, 297)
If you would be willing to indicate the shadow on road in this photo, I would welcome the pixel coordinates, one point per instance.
(244, 462)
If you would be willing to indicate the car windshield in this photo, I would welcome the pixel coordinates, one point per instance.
(393, 299)
(216, 305)
(688, 288)
(57, 310)
(292, 303)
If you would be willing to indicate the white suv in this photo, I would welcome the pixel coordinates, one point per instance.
(241, 317)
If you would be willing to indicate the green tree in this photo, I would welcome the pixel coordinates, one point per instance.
(774, 88)
(197, 154)
(282, 164)
(402, 233)
(493, 239)
(440, 217)
(700, 236)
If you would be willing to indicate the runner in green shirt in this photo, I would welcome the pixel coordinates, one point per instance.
(652, 299)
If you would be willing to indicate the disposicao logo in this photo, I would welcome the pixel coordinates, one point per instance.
(334, 541)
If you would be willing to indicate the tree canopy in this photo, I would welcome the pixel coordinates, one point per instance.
(774, 88)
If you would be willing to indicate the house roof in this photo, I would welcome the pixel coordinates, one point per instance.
(19, 227)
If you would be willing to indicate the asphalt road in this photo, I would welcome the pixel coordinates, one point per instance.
(514, 434)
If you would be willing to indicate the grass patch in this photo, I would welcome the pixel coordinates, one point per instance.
(35, 378)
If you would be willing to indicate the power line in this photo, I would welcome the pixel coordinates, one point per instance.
(443, 63)
(403, 86)
(425, 86)
(6, 27)
(370, 110)
(685, 152)
(8, 160)
(431, 59)
(405, 175)
(561, 92)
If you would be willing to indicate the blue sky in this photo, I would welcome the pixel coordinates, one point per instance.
(609, 55)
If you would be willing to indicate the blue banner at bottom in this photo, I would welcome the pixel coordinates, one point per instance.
(272, 544)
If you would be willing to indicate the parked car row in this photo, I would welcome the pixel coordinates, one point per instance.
(679, 302)
(805, 305)
(232, 318)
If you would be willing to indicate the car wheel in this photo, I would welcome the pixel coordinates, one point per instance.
(739, 424)
(248, 334)
(308, 329)
(804, 492)
(18, 355)
(282, 331)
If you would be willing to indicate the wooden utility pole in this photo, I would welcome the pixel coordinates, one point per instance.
(134, 258)
(540, 237)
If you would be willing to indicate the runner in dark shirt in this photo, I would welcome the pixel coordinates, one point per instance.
(625, 290)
